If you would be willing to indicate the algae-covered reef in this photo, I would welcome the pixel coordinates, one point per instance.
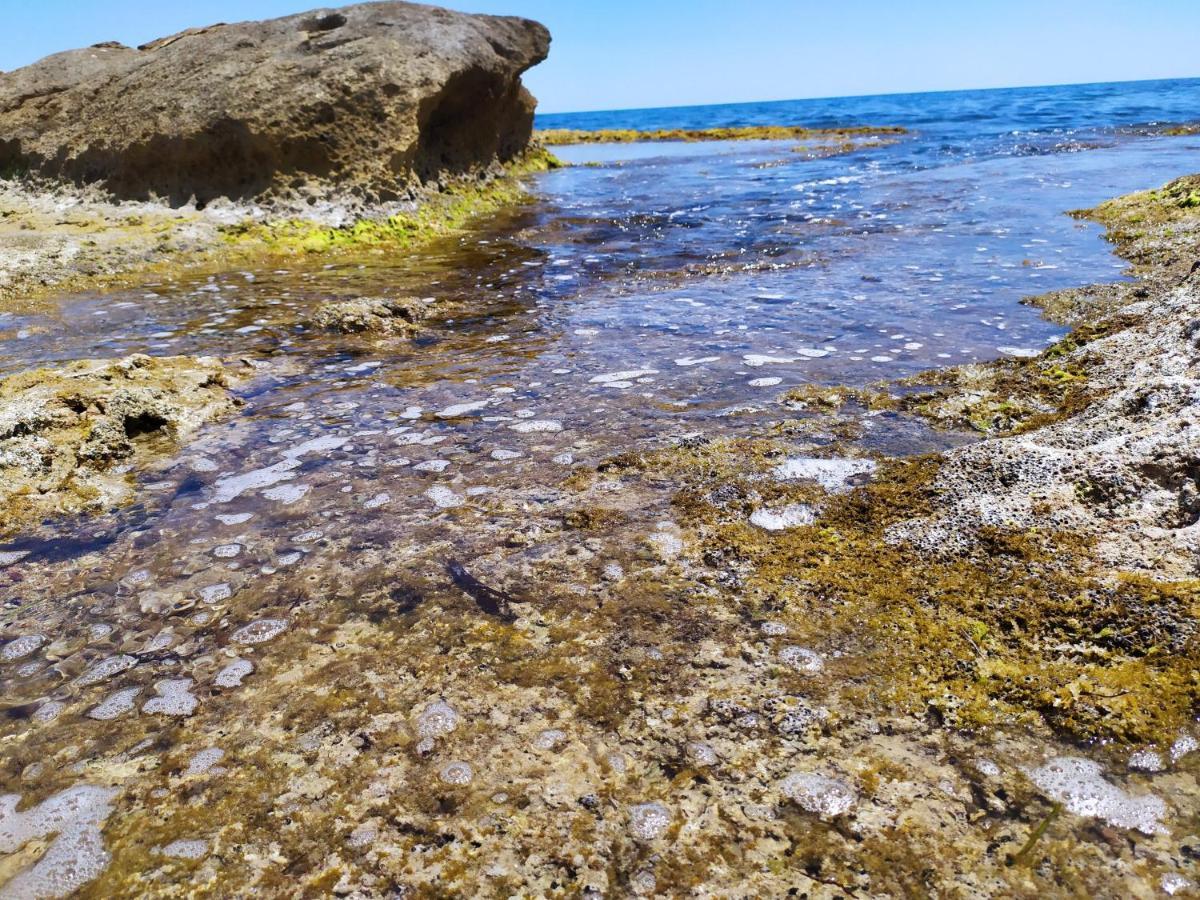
(68, 434)
(766, 664)
(551, 137)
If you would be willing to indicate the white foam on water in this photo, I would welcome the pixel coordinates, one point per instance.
(77, 854)
(755, 360)
(203, 761)
(232, 487)
(48, 711)
(115, 705)
(457, 772)
(812, 352)
(437, 719)
(831, 474)
(432, 465)
(105, 669)
(287, 494)
(215, 593)
(174, 698)
(820, 794)
(688, 361)
(1183, 745)
(537, 426)
(231, 676)
(802, 659)
(549, 739)
(1146, 761)
(227, 551)
(1019, 352)
(627, 375)
(649, 821)
(506, 455)
(235, 519)
(792, 516)
(764, 382)
(21, 647)
(443, 497)
(1079, 785)
(261, 631)
(458, 410)
(185, 849)
(377, 501)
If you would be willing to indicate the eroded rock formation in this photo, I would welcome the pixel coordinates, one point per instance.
(369, 101)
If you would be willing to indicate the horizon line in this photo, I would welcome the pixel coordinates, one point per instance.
(1013, 87)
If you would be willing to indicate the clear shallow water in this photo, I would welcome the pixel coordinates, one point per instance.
(668, 291)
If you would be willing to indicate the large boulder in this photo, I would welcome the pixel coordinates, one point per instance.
(369, 101)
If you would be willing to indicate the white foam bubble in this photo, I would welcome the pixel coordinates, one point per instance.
(377, 501)
(77, 854)
(231, 676)
(792, 516)
(21, 647)
(628, 375)
(8, 557)
(235, 519)
(443, 497)
(185, 849)
(755, 360)
(537, 426)
(649, 821)
(505, 455)
(802, 659)
(458, 410)
(764, 382)
(432, 465)
(1079, 785)
(215, 593)
(457, 772)
(287, 494)
(831, 474)
(819, 794)
(115, 705)
(549, 739)
(174, 698)
(106, 669)
(260, 631)
(203, 761)
(227, 551)
(437, 719)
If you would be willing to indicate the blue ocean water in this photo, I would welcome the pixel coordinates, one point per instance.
(950, 121)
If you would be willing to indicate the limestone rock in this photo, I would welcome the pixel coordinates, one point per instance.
(61, 430)
(369, 101)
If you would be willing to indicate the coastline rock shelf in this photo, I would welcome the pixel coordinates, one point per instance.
(368, 102)
(713, 522)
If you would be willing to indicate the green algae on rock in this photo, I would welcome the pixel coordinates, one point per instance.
(564, 136)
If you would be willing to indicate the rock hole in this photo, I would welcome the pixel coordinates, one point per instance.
(324, 23)
(146, 423)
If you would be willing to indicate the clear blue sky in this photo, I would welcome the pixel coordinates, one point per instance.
(613, 54)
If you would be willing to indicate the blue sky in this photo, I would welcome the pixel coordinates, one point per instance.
(613, 54)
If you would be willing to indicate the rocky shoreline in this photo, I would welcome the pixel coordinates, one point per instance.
(773, 664)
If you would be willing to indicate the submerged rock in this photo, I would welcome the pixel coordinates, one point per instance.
(61, 430)
(374, 315)
(373, 99)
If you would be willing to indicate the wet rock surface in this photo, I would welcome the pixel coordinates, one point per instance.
(369, 102)
(65, 433)
(296, 675)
